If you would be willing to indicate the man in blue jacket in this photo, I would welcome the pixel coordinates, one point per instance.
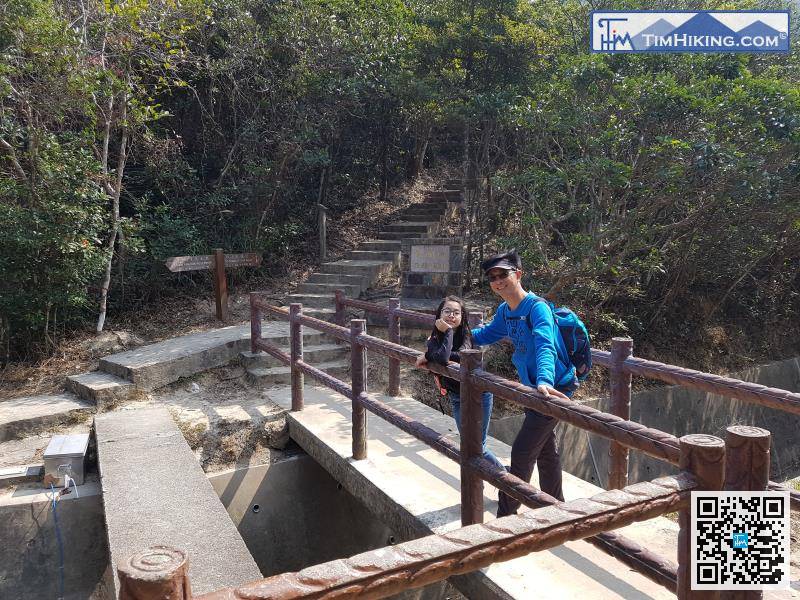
(542, 363)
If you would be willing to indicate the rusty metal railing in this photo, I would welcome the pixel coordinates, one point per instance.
(622, 366)
(704, 464)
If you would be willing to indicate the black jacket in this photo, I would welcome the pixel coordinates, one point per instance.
(441, 350)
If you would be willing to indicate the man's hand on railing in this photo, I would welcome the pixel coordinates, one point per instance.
(549, 391)
(421, 361)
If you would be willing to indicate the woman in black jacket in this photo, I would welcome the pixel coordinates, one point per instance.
(451, 335)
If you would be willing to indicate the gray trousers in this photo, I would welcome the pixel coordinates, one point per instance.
(535, 444)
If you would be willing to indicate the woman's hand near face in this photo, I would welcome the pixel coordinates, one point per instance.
(442, 325)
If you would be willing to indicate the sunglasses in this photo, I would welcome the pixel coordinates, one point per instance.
(499, 276)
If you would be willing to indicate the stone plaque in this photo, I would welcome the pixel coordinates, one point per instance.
(429, 259)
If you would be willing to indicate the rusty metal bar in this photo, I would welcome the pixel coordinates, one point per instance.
(653, 442)
(367, 306)
(649, 564)
(255, 323)
(411, 315)
(394, 337)
(358, 377)
(158, 572)
(471, 446)
(341, 333)
(326, 378)
(296, 347)
(274, 351)
(634, 435)
(417, 563)
(277, 311)
(620, 384)
(656, 568)
(746, 469)
(745, 391)
(704, 456)
(408, 355)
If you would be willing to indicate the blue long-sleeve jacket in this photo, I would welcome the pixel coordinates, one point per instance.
(539, 352)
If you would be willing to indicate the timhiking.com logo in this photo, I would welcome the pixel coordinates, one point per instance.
(680, 31)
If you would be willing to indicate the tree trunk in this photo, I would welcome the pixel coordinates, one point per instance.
(114, 192)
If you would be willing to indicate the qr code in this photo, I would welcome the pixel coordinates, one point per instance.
(740, 540)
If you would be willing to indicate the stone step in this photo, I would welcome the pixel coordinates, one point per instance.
(381, 245)
(409, 227)
(101, 388)
(314, 354)
(425, 207)
(323, 314)
(20, 417)
(425, 218)
(400, 235)
(352, 291)
(156, 365)
(338, 278)
(390, 255)
(369, 269)
(450, 195)
(283, 375)
(312, 300)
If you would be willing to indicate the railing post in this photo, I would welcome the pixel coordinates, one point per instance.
(394, 337)
(746, 469)
(255, 323)
(358, 372)
(703, 456)
(158, 572)
(471, 446)
(338, 317)
(296, 353)
(621, 348)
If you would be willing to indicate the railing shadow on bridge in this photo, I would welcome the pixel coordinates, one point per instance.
(740, 462)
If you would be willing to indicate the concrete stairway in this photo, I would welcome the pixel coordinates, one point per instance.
(121, 376)
(363, 266)
(318, 350)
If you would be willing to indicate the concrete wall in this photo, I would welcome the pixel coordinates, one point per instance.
(29, 557)
(292, 514)
(680, 411)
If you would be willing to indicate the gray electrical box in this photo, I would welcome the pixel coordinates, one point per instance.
(66, 454)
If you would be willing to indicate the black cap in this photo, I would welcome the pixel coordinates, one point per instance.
(509, 261)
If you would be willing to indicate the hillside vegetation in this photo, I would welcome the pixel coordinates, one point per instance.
(656, 194)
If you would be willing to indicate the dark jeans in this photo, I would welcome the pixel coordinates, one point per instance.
(486, 405)
(535, 444)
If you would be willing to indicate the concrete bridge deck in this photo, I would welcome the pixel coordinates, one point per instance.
(415, 491)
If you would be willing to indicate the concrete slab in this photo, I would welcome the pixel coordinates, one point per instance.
(415, 491)
(103, 389)
(154, 492)
(156, 365)
(20, 417)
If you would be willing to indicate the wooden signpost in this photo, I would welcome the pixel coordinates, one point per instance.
(217, 263)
